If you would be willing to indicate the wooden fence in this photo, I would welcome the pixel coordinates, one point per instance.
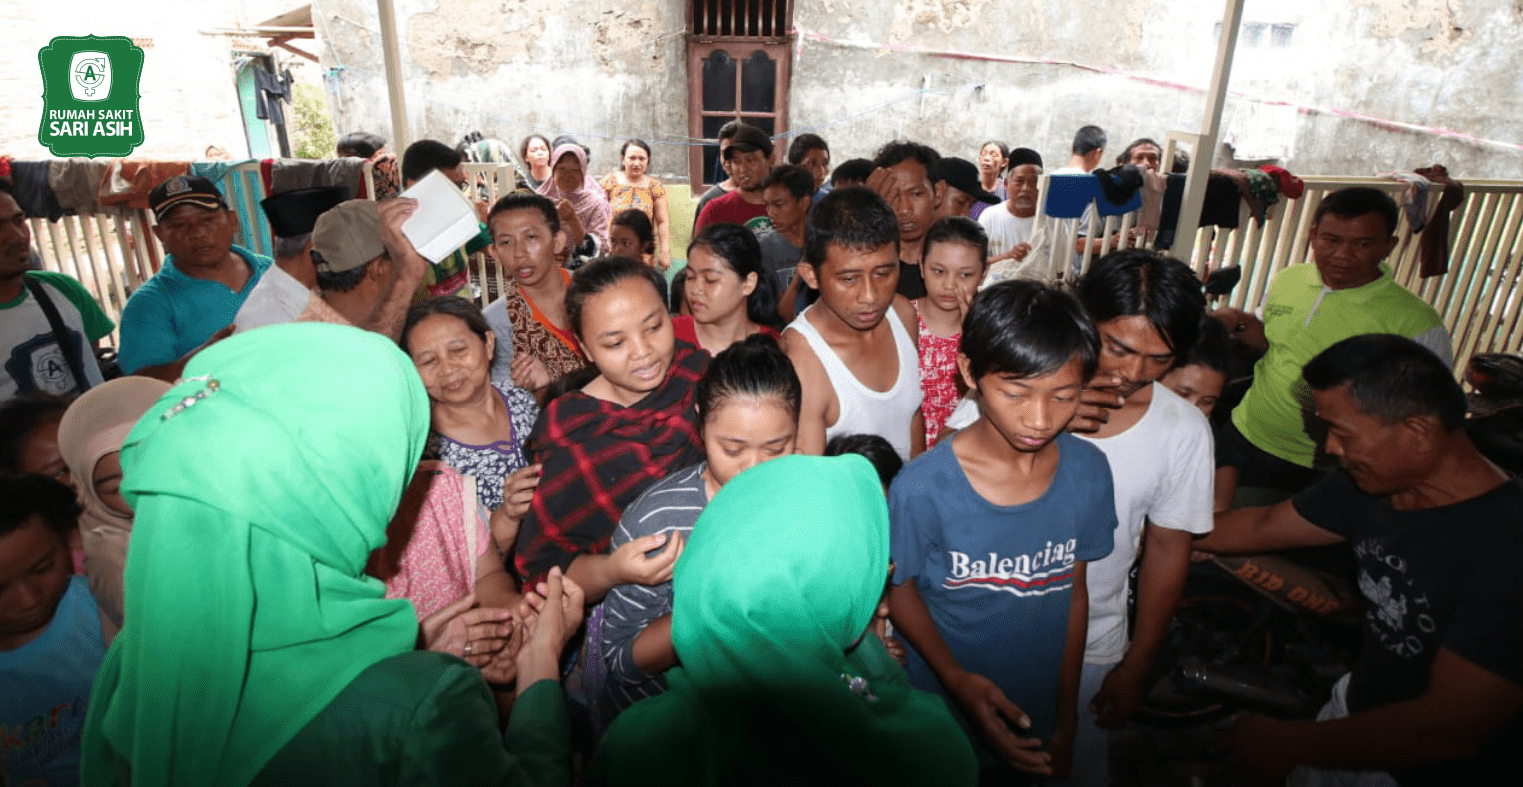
(1477, 297)
(111, 254)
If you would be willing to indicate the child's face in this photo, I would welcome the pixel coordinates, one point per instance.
(1028, 412)
(715, 292)
(623, 242)
(627, 334)
(856, 285)
(41, 455)
(952, 272)
(1199, 385)
(34, 574)
(743, 432)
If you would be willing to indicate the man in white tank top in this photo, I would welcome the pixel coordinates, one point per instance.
(860, 371)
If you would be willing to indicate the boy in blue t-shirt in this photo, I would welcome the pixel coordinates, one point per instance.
(50, 634)
(991, 531)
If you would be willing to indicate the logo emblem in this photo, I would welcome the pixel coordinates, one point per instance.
(90, 96)
(92, 76)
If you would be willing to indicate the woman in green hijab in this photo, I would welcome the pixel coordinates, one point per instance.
(780, 683)
(256, 651)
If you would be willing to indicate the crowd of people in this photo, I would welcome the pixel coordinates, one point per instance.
(858, 495)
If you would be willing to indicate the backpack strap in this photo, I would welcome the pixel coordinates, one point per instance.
(60, 332)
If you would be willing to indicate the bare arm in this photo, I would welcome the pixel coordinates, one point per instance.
(653, 649)
(663, 223)
(988, 707)
(917, 433)
(817, 393)
(1160, 583)
(409, 265)
(1068, 679)
(1252, 531)
(172, 371)
(1465, 704)
(494, 587)
(1247, 328)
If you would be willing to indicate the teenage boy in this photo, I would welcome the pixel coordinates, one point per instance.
(193, 299)
(1147, 310)
(724, 138)
(908, 176)
(748, 158)
(1436, 696)
(860, 371)
(51, 643)
(789, 193)
(992, 531)
(450, 276)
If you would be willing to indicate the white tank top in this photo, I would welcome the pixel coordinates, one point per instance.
(863, 410)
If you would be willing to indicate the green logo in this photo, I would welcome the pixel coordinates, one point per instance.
(90, 96)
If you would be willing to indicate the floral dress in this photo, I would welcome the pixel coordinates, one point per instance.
(938, 377)
(491, 464)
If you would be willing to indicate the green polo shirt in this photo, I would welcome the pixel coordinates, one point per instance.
(1301, 319)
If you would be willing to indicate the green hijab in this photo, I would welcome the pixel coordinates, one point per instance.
(261, 483)
(781, 576)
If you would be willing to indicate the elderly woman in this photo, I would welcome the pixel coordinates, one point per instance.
(90, 437)
(256, 651)
(578, 198)
(781, 681)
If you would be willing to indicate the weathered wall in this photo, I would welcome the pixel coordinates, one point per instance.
(1453, 64)
(603, 71)
(189, 100)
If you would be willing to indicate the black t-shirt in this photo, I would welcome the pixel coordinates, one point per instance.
(911, 283)
(1434, 578)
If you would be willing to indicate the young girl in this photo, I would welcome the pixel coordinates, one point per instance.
(1202, 374)
(631, 235)
(991, 531)
(729, 294)
(534, 152)
(748, 405)
(956, 254)
(602, 445)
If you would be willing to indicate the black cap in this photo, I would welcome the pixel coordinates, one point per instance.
(962, 175)
(1022, 156)
(184, 190)
(294, 213)
(749, 138)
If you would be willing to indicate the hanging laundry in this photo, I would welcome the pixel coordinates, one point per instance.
(1265, 192)
(1168, 215)
(1414, 198)
(1223, 198)
(273, 89)
(1154, 185)
(1291, 187)
(1119, 190)
(76, 183)
(33, 192)
(127, 183)
(1433, 247)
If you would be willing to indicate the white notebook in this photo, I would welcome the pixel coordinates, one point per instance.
(444, 220)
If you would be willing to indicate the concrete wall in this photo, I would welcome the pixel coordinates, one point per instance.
(1453, 64)
(603, 71)
(189, 100)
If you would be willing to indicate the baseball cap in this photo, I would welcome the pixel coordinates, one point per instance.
(184, 190)
(962, 175)
(347, 236)
(748, 138)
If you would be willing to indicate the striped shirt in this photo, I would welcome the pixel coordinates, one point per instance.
(670, 506)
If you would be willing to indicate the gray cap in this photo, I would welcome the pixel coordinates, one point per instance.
(347, 236)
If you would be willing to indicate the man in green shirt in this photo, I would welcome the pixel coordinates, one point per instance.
(1346, 291)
